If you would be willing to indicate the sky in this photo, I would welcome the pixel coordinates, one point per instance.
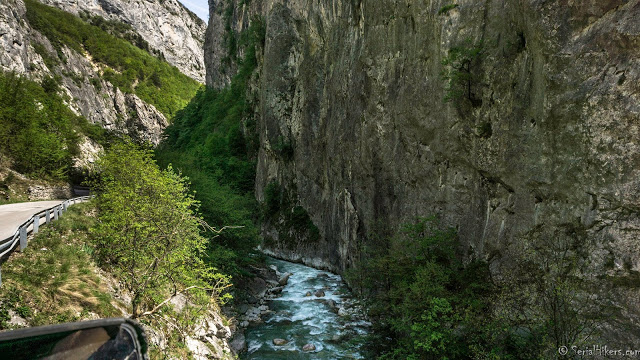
(200, 7)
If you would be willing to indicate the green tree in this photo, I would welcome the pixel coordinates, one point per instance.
(460, 71)
(148, 234)
(426, 303)
(38, 132)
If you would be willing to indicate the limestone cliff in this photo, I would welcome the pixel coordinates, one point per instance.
(166, 25)
(89, 94)
(543, 143)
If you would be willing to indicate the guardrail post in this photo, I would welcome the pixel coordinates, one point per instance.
(65, 205)
(55, 213)
(23, 238)
(47, 217)
(36, 224)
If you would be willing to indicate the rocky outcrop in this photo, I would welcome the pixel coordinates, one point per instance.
(165, 24)
(541, 144)
(89, 95)
(16, 53)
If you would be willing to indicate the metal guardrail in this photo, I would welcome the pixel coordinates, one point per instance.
(33, 225)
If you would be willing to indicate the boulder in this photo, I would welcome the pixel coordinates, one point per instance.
(243, 308)
(257, 287)
(276, 290)
(319, 293)
(239, 343)
(309, 347)
(284, 279)
(279, 342)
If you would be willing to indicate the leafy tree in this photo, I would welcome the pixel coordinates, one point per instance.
(547, 294)
(148, 234)
(38, 132)
(425, 302)
(460, 71)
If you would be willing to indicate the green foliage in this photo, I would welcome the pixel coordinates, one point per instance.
(50, 60)
(207, 142)
(445, 9)
(37, 130)
(54, 279)
(148, 234)
(292, 220)
(548, 295)
(126, 63)
(230, 39)
(284, 148)
(460, 71)
(484, 130)
(425, 302)
(121, 30)
(272, 198)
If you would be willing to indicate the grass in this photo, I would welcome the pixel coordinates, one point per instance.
(54, 280)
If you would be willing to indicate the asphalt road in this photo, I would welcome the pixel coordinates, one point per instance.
(12, 215)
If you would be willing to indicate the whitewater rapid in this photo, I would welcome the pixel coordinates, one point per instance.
(334, 324)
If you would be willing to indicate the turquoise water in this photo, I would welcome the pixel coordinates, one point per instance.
(301, 319)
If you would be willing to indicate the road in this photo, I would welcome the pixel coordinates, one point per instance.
(12, 215)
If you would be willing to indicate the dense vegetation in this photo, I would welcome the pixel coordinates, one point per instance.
(461, 71)
(39, 134)
(425, 302)
(144, 230)
(211, 141)
(147, 234)
(125, 65)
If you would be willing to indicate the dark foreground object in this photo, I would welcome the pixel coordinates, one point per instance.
(96, 340)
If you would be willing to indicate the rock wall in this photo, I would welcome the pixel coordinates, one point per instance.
(544, 145)
(165, 24)
(90, 96)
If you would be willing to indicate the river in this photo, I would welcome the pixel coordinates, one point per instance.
(332, 323)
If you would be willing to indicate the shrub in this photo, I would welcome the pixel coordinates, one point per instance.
(148, 234)
(445, 9)
(37, 130)
(424, 301)
(460, 71)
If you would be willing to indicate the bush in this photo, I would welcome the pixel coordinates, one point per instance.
(460, 71)
(37, 130)
(445, 9)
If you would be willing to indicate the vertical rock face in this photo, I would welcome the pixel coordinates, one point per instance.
(165, 24)
(543, 143)
(15, 50)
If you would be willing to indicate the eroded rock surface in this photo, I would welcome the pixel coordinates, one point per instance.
(165, 24)
(541, 146)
